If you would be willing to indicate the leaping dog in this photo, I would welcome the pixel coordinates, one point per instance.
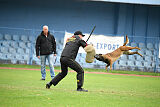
(110, 58)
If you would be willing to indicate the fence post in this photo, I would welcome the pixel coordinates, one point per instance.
(32, 47)
(157, 56)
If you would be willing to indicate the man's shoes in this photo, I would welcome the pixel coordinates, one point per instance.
(43, 79)
(48, 85)
(81, 89)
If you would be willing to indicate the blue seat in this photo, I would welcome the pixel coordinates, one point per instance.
(13, 61)
(29, 45)
(7, 37)
(10, 56)
(124, 57)
(147, 58)
(12, 50)
(4, 50)
(133, 44)
(153, 64)
(15, 37)
(131, 57)
(149, 53)
(31, 38)
(24, 38)
(3, 56)
(150, 46)
(20, 51)
(22, 45)
(138, 64)
(142, 45)
(130, 63)
(1, 36)
(147, 64)
(6, 43)
(27, 51)
(122, 63)
(14, 44)
(156, 46)
(153, 58)
(25, 57)
(139, 58)
(18, 56)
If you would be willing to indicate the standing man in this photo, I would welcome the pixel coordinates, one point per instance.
(46, 49)
(67, 59)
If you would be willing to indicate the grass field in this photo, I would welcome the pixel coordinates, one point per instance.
(23, 88)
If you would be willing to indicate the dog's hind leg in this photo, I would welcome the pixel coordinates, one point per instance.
(111, 65)
(127, 48)
(131, 53)
(107, 67)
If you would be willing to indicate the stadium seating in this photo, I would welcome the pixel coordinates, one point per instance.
(6, 44)
(149, 53)
(10, 56)
(21, 49)
(156, 45)
(24, 38)
(147, 58)
(133, 44)
(22, 45)
(14, 44)
(31, 38)
(142, 51)
(150, 46)
(12, 50)
(15, 37)
(139, 58)
(7, 37)
(131, 57)
(124, 57)
(4, 50)
(1, 36)
(142, 45)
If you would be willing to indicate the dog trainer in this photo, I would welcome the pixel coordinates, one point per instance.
(46, 49)
(67, 59)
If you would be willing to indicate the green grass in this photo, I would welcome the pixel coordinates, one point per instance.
(23, 88)
(86, 69)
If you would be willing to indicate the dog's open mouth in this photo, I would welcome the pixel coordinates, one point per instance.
(100, 58)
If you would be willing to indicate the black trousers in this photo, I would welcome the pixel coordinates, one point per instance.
(65, 63)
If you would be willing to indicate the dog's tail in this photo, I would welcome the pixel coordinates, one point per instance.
(127, 41)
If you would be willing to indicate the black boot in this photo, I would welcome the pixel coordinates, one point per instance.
(48, 85)
(81, 89)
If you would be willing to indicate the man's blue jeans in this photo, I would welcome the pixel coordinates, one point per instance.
(50, 59)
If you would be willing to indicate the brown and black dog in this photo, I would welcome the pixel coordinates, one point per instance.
(110, 58)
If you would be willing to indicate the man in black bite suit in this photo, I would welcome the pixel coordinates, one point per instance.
(67, 59)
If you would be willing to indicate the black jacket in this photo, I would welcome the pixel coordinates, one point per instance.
(72, 46)
(45, 45)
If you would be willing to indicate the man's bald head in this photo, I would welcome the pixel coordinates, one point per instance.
(45, 29)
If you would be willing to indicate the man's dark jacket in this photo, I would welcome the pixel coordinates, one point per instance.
(45, 45)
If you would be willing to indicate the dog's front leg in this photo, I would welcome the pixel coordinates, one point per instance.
(107, 67)
(111, 65)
